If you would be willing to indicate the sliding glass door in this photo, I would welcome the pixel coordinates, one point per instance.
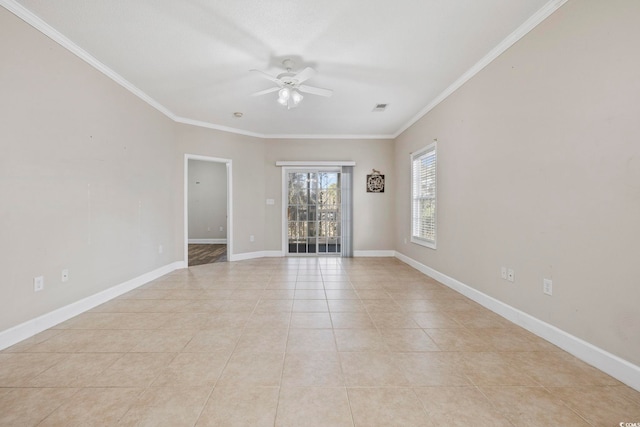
(313, 212)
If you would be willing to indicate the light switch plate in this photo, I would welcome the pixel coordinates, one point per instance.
(38, 283)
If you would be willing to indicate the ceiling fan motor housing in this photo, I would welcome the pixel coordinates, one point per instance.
(287, 78)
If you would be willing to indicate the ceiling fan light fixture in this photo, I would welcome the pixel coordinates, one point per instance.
(289, 97)
(296, 97)
(290, 87)
(284, 94)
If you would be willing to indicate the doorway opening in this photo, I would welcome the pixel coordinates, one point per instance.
(314, 214)
(207, 210)
(207, 253)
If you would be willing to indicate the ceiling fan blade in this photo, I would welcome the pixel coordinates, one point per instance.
(315, 90)
(267, 76)
(266, 91)
(305, 74)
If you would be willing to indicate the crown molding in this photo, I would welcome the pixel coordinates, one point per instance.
(287, 163)
(33, 20)
(327, 136)
(208, 125)
(37, 23)
(200, 123)
(505, 44)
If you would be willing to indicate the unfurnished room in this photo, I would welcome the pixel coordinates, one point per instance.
(305, 213)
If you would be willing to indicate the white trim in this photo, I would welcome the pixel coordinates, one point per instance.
(422, 242)
(229, 208)
(433, 147)
(33, 20)
(327, 136)
(376, 253)
(337, 163)
(310, 166)
(207, 158)
(255, 255)
(208, 125)
(505, 44)
(40, 25)
(229, 239)
(284, 215)
(207, 241)
(31, 327)
(609, 363)
(30, 18)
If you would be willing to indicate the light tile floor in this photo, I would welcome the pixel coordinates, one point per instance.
(301, 342)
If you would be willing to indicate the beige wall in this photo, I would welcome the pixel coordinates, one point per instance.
(207, 200)
(539, 166)
(84, 172)
(373, 213)
(247, 158)
(539, 170)
(256, 178)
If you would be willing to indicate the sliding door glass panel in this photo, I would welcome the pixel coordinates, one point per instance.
(313, 212)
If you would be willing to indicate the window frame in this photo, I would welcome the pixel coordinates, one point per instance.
(419, 240)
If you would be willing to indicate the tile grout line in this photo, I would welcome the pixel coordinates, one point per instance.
(344, 378)
(224, 367)
(284, 357)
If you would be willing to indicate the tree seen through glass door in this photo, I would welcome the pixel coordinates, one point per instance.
(313, 217)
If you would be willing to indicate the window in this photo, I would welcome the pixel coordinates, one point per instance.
(423, 197)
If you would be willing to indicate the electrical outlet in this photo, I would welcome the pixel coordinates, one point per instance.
(503, 273)
(65, 275)
(38, 283)
(252, 238)
(160, 249)
(547, 286)
(511, 275)
(221, 228)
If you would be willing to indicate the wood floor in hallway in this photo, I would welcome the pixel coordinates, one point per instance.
(206, 254)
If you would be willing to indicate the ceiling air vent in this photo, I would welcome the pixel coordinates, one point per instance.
(380, 108)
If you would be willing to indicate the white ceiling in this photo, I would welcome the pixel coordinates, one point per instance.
(191, 58)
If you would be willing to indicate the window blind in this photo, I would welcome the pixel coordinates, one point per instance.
(423, 196)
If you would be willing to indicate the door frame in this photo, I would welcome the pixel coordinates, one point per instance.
(228, 163)
(285, 204)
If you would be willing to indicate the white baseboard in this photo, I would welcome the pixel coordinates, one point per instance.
(245, 256)
(611, 364)
(208, 241)
(31, 327)
(254, 255)
(273, 254)
(377, 254)
(277, 254)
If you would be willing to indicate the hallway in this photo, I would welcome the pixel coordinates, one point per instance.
(206, 254)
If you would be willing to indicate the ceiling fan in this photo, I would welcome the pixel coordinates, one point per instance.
(289, 85)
